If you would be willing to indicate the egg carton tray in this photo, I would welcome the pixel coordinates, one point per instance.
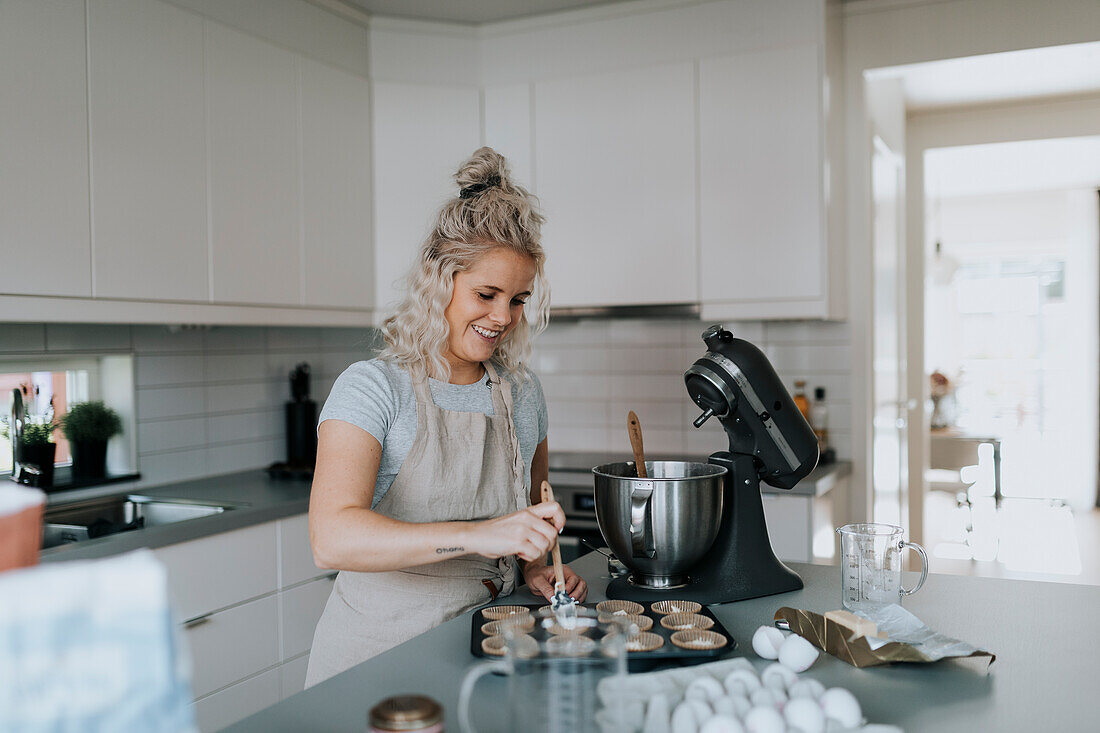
(637, 661)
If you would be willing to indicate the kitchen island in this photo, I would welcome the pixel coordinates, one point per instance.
(1045, 637)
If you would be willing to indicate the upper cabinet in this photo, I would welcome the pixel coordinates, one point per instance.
(422, 133)
(615, 172)
(761, 166)
(146, 113)
(44, 219)
(338, 269)
(255, 209)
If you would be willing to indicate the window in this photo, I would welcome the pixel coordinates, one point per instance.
(49, 386)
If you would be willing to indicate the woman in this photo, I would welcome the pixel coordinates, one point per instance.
(430, 457)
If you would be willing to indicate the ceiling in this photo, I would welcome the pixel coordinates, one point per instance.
(997, 77)
(469, 11)
(1028, 165)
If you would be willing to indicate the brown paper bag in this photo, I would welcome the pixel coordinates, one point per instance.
(831, 635)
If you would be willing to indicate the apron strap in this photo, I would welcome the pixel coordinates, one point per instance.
(502, 405)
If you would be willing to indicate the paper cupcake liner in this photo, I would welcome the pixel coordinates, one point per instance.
(646, 641)
(522, 622)
(619, 608)
(497, 646)
(684, 621)
(570, 646)
(666, 607)
(496, 613)
(699, 639)
(644, 623)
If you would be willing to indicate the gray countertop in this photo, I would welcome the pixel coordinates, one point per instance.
(1045, 637)
(577, 467)
(258, 498)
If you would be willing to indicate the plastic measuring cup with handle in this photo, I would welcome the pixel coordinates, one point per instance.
(870, 565)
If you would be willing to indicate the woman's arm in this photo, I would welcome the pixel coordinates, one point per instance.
(346, 535)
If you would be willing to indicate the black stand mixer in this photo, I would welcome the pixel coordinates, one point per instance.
(769, 440)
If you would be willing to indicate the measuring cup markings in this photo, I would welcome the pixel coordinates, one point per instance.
(871, 558)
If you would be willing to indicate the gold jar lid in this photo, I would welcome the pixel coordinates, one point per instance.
(406, 712)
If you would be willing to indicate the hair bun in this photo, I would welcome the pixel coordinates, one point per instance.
(485, 169)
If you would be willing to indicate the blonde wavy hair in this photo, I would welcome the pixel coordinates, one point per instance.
(491, 211)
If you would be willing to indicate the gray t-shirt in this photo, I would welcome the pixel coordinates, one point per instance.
(378, 397)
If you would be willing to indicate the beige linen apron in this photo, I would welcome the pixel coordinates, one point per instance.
(461, 466)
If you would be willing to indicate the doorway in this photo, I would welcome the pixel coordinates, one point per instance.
(1010, 351)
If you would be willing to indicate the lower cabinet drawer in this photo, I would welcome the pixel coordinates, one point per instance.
(301, 609)
(232, 644)
(226, 707)
(292, 677)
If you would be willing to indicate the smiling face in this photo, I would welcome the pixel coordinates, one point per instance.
(486, 304)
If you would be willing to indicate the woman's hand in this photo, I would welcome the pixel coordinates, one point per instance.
(528, 533)
(540, 581)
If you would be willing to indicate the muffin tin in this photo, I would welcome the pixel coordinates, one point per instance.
(636, 660)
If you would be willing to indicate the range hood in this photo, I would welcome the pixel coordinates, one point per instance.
(657, 310)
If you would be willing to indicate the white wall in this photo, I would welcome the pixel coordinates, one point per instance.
(879, 34)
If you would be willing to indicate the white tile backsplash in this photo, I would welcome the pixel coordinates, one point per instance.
(209, 400)
(603, 366)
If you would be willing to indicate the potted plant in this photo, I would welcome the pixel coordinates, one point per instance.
(37, 449)
(88, 427)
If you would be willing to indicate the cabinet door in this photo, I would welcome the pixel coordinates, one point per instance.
(200, 579)
(336, 187)
(300, 609)
(148, 137)
(615, 170)
(295, 554)
(255, 212)
(233, 644)
(762, 223)
(421, 135)
(789, 526)
(44, 220)
(226, 707)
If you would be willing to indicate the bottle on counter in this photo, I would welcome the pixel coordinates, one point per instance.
(800, 400)
(406, 713)
(819, 420)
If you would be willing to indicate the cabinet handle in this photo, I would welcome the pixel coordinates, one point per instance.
(197, 621)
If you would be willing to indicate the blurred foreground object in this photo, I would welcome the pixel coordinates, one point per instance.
(20, 527)
(90, 645)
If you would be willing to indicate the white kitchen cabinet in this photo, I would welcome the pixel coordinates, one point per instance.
(225, 707)
(295, 554)
(222, 570)
(336, 171)
(147, 122)
(762, 198)
(292, 676)
(255, 207)
(508, 129)
(422, 133)
(796, 521)
(615, 172)
(44, 217)
(232, 644)
(300, 609)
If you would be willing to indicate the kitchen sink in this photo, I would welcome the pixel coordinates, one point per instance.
(94, 518)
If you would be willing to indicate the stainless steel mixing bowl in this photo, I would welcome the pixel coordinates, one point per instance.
(662, 525)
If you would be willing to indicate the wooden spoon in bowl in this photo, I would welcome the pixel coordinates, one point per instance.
(635, 429)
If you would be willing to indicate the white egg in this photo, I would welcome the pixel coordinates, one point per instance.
(764, 720)
(711, 688)
(722, 724)
(842, 706)
(797, 654)
(741, 704)
(656, 715)
(763, 697)
(702, 710)
(724, 706)
(766, 641)
(806, 687)
(776, 675)
(683, 720)
(747, 678)
(805, 714)
(696, 693)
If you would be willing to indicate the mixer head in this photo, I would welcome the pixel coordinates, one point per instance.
(735, 382)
